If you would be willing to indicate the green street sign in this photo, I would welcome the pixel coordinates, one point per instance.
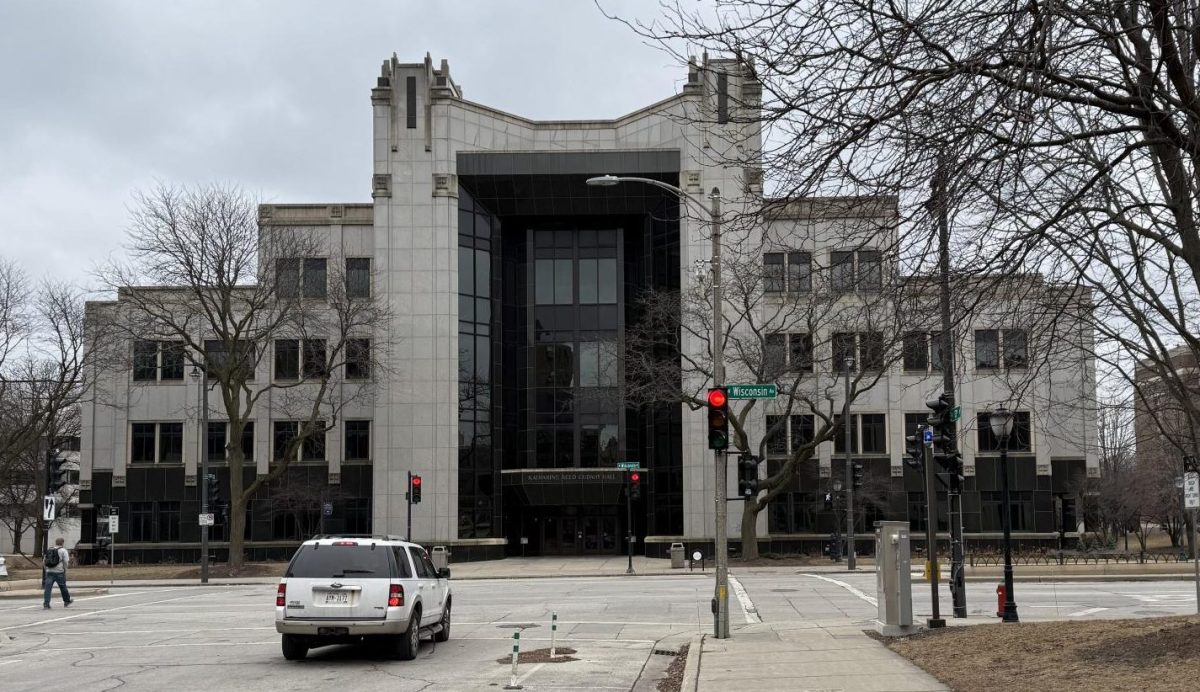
(955, 414)
(751, 391)
(627, 465)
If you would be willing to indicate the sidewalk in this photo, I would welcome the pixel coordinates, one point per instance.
(823, 655)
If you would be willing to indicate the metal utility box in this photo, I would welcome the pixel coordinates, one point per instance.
(440, 556)
(677, 558)
(893, 578)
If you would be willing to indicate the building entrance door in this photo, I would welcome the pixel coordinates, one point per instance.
(583, 535)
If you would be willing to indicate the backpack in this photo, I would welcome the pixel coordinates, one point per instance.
(51, 558)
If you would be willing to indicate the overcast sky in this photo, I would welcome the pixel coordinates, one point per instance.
(99, 99)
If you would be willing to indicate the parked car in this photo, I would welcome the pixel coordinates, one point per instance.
(353, 589)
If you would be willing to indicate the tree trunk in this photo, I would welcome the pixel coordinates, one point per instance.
(18, 529)
(750, 530)
(237, 513)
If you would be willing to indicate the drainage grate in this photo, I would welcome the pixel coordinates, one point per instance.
(516, 625)
(665, 652)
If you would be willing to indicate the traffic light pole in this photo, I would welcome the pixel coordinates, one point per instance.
(629, 519)
(958, 586)
(203, 484)
(721, 540)
(931, 560)
(849, 432)
(408, 501)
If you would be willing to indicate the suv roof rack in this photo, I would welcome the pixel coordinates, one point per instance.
(376, 536)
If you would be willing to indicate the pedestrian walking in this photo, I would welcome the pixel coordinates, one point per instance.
(55, 563)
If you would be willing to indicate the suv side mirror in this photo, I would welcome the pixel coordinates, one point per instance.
(443, 573)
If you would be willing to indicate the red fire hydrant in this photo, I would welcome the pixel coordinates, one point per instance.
(1000, 600)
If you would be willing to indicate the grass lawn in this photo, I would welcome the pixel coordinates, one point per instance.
(1160, 654)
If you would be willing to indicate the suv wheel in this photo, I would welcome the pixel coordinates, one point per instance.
(444, 633)
(408, 642)
(294, 648)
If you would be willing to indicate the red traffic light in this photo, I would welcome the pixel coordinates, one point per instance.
(416, 480)
(717, 398)
(635, 477)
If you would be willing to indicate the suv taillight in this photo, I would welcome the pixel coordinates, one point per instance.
(395, 596)
(281, 595)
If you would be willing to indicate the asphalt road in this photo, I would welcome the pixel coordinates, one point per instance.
(222, 638)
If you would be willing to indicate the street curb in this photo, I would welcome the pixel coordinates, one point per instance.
(28, 593)
(691, 668)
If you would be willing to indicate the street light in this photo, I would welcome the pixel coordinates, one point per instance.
(721, 588)
(1002, 425)
(848, 365)
(202, 479)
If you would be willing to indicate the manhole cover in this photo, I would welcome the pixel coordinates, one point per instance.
(517, 625)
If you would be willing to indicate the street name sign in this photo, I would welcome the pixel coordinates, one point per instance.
(49, 503)
(955, 414)
(207, 519)
(627, 465)
(1191, 490)
(751, 391)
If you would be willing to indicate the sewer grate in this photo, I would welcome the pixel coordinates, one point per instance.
(516, 625)
(665, 652)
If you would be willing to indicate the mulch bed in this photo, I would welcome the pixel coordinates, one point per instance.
(1161, 654)
(562, 654)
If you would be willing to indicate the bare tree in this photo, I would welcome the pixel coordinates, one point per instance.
(793, 330)
(204, 274)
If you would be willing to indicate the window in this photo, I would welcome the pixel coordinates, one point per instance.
(553, 282)
(167, 521)
(774, 355)
(841, 265)
(158, 360)
(358, 277)
(774, 274)
(1015, 348)
(291, 282)
(916, 356)
(874, 433)
(801, 352)
(313, 447)
(987, 349)
(598, 366)
(861, 270)
(799, 272)
(315, 279)
(217, 356)
(912, 421)
(410, 103)
(1021, 439)
(358, 359)
(843, 350)
(285, 433)
(803, 430)
(935, 351)
(358, 440)
(287, 359)
(870, 270)
(868, 433)
(218, 435)
(145, 361)
(141, 522)
(170, 443)
(313, 365)
(776, 436)
(598, 281)
(287, 277)
(156, 442)
(873, 350)
(142, 443)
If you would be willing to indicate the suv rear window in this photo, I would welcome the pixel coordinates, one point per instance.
(338, 561)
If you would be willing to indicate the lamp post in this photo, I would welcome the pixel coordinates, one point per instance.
(201, 378)
(837, 523)
(721, 540)
(1002, 425)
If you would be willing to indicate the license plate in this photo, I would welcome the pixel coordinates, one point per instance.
(337, 598)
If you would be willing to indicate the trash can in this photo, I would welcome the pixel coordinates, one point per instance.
(440, 556)
(3, 568)
(676, 556)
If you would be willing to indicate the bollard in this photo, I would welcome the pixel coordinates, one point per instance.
(553, 630)
(1000, 601)
(512, 681)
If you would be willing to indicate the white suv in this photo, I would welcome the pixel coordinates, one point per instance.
(354, 588)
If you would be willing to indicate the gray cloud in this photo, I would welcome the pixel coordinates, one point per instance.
(102, 98)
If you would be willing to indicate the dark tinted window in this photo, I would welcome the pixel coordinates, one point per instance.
(358, 277)
(315, 279)
(172, 360)
(287, 359)
(423, 569)
(402, 563)
(145, 360)
(337, 561)
(170, 442)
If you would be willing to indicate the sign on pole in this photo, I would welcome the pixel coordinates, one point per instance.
(113, 523)
(1191, 490)
(927, 436)
(206, 519)
(751, 391)
(49, 503)
(327, 509)
(627, 465)
(955, 414)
